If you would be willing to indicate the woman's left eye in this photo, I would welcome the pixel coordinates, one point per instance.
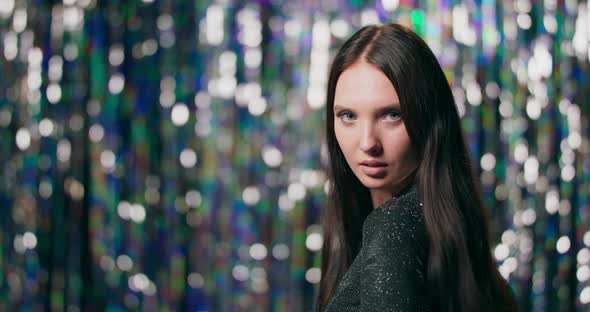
(394, 115)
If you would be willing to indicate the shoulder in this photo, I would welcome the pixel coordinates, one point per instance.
(394, 225)
(399, 224)
(405, 209)
(394, 256)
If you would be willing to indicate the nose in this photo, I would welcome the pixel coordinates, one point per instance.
(369, 142)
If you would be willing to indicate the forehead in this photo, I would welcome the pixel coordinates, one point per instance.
(364, 84)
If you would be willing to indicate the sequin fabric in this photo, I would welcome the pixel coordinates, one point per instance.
(388, 274)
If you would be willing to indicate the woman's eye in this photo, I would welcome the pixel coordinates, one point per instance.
(394, 115)
(344, 115)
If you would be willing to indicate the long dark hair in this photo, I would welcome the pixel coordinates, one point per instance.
(461, 272)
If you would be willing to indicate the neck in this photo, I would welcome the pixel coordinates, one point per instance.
(379, 196)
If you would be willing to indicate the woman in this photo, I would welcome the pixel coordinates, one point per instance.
(405, 228)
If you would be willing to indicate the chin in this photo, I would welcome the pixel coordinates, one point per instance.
(373, 183)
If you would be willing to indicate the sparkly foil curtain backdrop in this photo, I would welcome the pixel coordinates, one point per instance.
(167, 155)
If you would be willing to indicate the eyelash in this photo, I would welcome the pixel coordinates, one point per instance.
(388, 113)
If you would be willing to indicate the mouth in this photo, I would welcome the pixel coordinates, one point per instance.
(372, 163)
(373, 170)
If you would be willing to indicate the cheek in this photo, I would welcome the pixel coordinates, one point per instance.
(345, 141)
(400, 147)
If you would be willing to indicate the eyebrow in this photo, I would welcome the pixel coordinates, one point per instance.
(380, 109)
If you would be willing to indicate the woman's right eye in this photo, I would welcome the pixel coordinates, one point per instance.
(344, 114)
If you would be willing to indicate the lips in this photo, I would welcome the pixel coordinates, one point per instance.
(373, 163)
(374, 168)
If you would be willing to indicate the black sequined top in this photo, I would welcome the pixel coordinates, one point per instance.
(388, 274)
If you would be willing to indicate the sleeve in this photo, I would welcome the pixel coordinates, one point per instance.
(392, 276)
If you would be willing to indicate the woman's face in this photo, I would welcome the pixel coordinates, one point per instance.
(369, 128)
